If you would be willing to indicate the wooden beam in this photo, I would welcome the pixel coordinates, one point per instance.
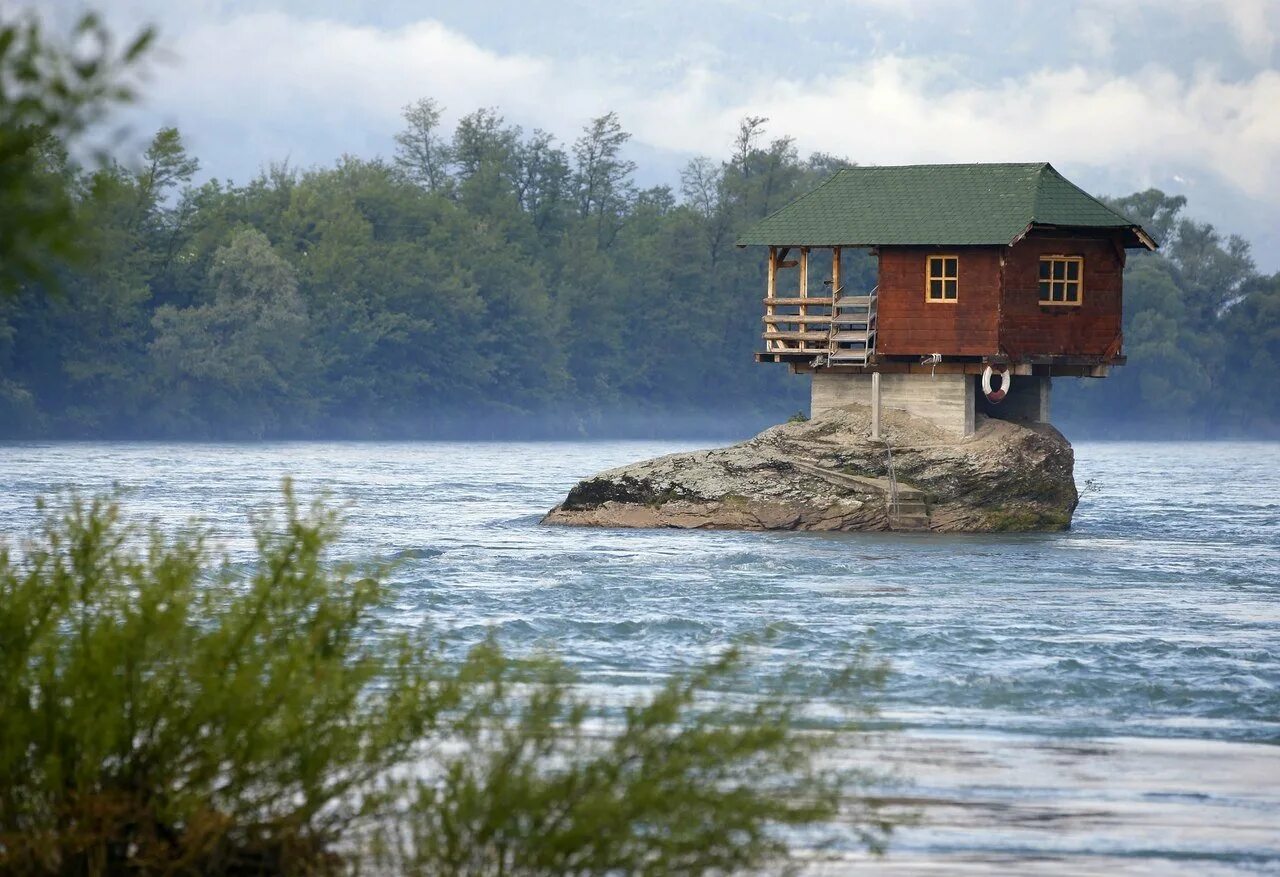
(804, 280)
(835, 287)
(772, 286)
(801, 362)
(795, 336)
(796, 318)
(814, 301)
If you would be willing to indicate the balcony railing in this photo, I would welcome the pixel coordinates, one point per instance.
(836, 327)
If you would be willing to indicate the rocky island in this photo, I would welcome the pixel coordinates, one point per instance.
(827, 474)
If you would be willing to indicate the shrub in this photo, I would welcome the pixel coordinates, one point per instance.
(685, 782)
(163, 713)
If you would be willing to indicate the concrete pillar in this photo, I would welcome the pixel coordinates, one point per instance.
(875, 406)
(970, 404)
(947, 401)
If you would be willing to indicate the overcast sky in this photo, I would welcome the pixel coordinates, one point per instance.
(1119, 96)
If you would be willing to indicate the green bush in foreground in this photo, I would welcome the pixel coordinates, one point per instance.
(163, 713)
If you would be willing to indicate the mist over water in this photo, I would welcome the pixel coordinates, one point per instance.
(1107, 697)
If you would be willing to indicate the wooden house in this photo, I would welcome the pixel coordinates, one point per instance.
(992, 280)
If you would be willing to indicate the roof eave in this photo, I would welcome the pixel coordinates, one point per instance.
(1143, 238)
(825, 244)
(1136, 235)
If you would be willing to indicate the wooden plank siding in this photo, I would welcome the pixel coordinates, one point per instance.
(911, 325)
(998, 309)
(1093, 328)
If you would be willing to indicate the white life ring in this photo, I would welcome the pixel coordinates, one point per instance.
(1006, 379)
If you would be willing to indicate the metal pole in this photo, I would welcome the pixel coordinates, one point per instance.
(875, 406)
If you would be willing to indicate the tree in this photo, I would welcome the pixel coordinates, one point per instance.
(602, 176)
(825, 164)
(534, 291)
(240, 355)
(1251, 341)
(543, 181)
(1214, 269)
(703, 187)
(49, 96)
(421, 153)
(750, 130)
(166, 164)
(483, 145)
(1153, 210)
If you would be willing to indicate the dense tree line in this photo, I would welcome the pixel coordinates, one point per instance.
(1202, 333)
(493, 281)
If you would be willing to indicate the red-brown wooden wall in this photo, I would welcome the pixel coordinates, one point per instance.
(998, 306)
(1092, 329)
(910, 325)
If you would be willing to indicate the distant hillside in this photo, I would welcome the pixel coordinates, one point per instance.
(488, 281)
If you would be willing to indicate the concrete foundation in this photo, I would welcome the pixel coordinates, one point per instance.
(1027, 401)
(947, 401)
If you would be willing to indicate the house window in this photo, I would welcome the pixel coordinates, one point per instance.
(944, 272)
(1060, 280)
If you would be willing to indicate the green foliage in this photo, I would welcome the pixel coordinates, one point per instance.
(486, 281)
(165, 714)
(491, 281)
(49, 95)
(243, 348)
(1197, 365)
(420, 152)
(683, 783)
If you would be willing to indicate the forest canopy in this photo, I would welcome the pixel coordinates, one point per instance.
(492, 281)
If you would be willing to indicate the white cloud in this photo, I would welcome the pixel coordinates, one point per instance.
(1252, 22)
(268, 66)
(298, 77)
(252, 88)
(1097, 33)
(899, 109)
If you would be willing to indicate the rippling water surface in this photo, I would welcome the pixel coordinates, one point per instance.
(1105, 700)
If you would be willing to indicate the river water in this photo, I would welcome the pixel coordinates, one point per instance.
(1101, 701)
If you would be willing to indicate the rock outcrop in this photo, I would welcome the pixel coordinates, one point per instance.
(826, 474)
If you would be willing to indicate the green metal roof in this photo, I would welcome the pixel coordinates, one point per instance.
(945, 204)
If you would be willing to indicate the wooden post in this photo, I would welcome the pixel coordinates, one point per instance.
(771, 290)
(875, 406)
(804, 293)
(835, 292)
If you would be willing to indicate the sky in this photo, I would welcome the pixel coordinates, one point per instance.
(1183, 95)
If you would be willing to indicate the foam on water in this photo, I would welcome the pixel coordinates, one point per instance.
(1155, 618)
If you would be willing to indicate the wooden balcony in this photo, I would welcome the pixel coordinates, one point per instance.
(797, 333)
(797, 323)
